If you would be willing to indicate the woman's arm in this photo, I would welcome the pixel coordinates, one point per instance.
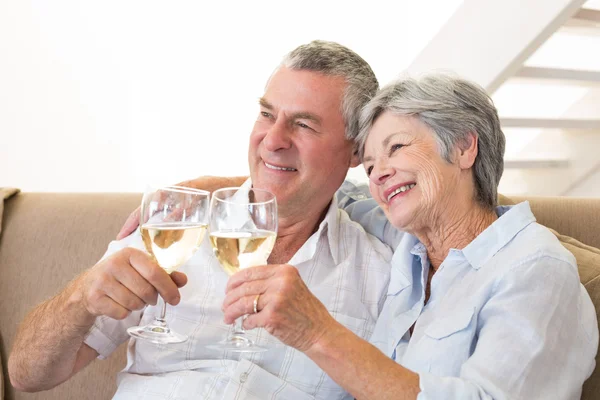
(290, 312)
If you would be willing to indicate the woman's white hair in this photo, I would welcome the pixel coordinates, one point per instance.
(453, 108)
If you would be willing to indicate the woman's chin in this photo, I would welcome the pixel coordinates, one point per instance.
(401, 220)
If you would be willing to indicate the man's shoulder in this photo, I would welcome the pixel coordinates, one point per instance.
(364, 241)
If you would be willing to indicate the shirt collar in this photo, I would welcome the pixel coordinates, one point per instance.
(511, 220)
(329, 226)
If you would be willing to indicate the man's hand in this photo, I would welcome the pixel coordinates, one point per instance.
(208, 183)
(286, 307)
(126, 281)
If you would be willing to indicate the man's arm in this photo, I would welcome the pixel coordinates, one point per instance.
(49, 347)
(208, 183)
(356, 200)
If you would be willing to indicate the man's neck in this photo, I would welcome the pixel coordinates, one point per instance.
(294, 230)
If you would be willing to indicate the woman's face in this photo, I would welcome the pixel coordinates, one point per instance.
(408, 178)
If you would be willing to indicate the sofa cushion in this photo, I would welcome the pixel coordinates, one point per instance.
(588, 264)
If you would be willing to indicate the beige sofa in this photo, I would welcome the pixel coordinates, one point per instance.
(49, 238)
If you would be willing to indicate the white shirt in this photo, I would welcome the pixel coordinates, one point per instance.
(507, 317)
(347, 269)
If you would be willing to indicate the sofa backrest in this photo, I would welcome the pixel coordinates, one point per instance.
(49, 238)
(578, 218)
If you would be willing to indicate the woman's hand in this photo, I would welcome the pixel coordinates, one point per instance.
(285, 308)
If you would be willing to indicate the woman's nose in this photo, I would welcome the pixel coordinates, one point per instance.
(380, 173)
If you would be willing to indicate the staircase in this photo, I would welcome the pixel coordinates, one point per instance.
(540, 60)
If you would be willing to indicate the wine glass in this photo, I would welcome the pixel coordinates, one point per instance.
(242, 232)
(173, 221)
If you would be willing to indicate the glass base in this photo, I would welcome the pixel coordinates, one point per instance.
(156, 334)
(238, 344)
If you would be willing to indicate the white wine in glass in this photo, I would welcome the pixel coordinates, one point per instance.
(243, 230)
(173, 221)
(236, 250)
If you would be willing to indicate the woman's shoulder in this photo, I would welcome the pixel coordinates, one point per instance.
(535, 246)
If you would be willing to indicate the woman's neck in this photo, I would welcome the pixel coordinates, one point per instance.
(455, 228)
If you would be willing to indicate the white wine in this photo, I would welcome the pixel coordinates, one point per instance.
(172, 243)
(236, 250)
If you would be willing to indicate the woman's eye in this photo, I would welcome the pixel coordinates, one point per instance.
(394, 148)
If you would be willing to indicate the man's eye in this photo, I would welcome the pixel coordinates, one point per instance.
(266, 114)
(303, 126)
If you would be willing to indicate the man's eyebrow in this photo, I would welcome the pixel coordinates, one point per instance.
(307, 115)
(299, 115)
(264, 103)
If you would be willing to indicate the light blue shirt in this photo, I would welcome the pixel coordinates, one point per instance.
(507, 317)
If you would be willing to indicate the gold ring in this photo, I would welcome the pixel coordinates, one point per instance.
(256, 303)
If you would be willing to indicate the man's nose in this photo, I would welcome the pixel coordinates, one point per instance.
(278, 136)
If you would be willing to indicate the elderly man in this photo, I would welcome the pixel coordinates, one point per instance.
(301, 147)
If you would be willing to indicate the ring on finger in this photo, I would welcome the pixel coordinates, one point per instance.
(255, 303)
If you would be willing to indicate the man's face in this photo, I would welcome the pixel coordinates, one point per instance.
(298, 148)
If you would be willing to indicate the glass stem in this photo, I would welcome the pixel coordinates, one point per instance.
(160, 320)
(237, 328)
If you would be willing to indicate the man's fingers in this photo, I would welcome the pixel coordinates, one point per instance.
(179, 278)
(250, 274)
(130, 225)
(124, 297)
(155, 275)
(132, 280)
(112, 309)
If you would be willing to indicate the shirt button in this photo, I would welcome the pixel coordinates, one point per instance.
(243, 377)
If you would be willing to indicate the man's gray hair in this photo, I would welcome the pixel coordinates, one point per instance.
(453, 108)
(330, 58)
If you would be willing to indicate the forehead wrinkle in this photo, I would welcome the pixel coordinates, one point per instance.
(297, 115)
(386, 142)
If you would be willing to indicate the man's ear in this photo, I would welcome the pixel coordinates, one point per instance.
(468, 151)
(355, 160)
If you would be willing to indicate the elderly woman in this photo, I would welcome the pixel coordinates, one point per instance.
(483, 302)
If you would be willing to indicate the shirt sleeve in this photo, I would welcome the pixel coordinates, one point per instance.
(107, 334)
(356, 200)
(537, 338)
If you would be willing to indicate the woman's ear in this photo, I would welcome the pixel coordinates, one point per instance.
(468, 151)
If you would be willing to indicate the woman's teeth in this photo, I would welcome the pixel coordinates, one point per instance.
(401, 189)
(279, 168)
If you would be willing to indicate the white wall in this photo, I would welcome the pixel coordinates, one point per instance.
(107, 96)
